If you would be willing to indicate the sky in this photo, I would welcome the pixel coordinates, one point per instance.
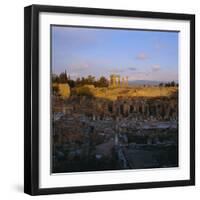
(138, 54)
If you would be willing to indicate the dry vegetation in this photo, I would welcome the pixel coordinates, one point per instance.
(63, 89)
(114, 93)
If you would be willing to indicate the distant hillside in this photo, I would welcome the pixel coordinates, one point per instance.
(145, 82)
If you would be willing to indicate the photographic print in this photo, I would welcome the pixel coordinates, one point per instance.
(114, 99)
(109, 99)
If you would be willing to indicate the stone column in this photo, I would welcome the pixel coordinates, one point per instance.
(118, 81)
(123, 82)
(126, 81)
(113, 80)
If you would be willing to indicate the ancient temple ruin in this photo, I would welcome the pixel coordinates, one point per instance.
(116, 81)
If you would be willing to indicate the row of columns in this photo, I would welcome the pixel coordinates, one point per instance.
(116, 82)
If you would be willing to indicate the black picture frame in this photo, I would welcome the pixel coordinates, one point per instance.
(31, 98)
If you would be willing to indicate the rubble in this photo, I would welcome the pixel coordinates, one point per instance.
(128, 133)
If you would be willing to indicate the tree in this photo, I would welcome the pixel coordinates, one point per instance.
(173, 84)
(55, 78)
(170, 84)
(71, 83)
(102, 82)
(63, 78)
(167, 84)
(90, 79)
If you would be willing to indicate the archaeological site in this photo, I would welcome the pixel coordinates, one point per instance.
(116, 127)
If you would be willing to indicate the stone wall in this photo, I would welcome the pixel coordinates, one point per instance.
(141, 109)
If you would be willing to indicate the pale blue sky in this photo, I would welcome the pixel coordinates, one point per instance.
(140, 55)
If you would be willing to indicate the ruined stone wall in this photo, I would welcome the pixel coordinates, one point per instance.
(141, 109)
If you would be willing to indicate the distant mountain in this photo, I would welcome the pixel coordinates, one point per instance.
(145, 82)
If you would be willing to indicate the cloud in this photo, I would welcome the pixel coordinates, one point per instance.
(132, 68)
(155, 67)
(142, 56)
